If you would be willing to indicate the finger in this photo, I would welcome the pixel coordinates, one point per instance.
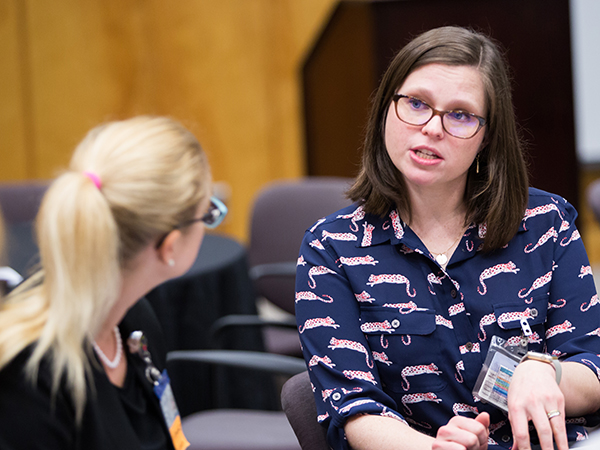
(520, 429)
(543, 428)
(559, 430)
(465, 438)
(477, 427)
(549, 426)
(484, 419)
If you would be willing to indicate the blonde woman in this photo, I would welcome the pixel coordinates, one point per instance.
(81, 359)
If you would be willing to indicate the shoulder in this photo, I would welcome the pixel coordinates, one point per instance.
(27, 405)
(15, 375)
(142, 317)
(538, 196)
(541, 201)
(345, 219)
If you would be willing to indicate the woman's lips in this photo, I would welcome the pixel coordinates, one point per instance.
(425, 154)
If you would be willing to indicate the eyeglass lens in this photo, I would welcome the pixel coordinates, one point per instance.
(215, 214)
(416, 112)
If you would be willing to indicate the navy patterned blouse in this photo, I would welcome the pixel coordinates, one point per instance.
(385, 330)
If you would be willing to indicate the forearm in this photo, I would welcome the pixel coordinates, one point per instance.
(581, 389)
(366, 432)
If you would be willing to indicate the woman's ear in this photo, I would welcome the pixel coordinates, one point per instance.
(166, 250)
(484, 143)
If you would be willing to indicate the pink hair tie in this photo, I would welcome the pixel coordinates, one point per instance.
(95, 179)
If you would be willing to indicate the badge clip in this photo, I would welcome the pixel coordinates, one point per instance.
(138, 344)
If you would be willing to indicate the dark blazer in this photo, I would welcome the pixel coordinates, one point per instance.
(30, 419)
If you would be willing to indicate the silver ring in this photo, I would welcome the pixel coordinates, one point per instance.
(552, 414)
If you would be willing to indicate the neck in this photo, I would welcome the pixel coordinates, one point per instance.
(138, 279)
(142, 274)
(438, 218)
(437, 208)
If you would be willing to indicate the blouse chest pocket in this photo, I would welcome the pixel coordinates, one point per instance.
(405, 347)
(510, 315)
(393, 321)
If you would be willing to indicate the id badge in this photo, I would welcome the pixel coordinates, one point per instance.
(495, 376)
(163, 391)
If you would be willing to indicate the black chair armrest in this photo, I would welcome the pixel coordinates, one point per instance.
(273, 269)
(237, 320)
(266, 362)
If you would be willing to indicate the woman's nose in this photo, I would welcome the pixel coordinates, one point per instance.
(434, 127)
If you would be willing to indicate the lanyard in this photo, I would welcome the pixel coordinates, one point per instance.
(138, 345)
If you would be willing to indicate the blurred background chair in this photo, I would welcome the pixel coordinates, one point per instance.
(20, 203)
(281, 213)
(593, 198)
(236, 429)
(298, 403)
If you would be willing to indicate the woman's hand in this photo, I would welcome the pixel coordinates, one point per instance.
(533, 394)
(463, 433)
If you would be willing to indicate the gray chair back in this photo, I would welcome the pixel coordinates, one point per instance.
(20, 203)
(298, 403)
(593, 198)
(281, 214)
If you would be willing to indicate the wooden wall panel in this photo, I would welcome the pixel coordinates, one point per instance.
(13, 148)
(228, 69)
(83, 71)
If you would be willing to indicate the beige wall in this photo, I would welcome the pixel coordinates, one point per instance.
(228, 69)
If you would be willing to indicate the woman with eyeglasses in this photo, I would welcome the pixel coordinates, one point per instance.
(81, 356)
(452, 306)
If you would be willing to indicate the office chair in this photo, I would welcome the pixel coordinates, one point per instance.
(231, 429)
(298, 403)
(20, 203)
(282, 212)
(593, 198)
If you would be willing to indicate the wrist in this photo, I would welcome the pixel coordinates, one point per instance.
(547, 359)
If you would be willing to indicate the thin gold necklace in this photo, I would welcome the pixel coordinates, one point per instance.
(442, 258)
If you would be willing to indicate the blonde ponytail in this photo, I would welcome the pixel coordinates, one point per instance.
(128, 183)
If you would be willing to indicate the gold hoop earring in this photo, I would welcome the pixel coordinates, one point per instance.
(477, 163)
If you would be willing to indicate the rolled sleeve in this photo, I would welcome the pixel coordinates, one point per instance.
(341, 367)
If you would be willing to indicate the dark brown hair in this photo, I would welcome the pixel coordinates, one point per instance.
(497, 195)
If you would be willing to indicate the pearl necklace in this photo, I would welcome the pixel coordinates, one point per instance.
(115, 362)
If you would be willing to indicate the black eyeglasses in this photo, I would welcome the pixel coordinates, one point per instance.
(458, 123)
(211, 219)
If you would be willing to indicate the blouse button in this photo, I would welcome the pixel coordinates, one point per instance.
(469, 346)
(395, 323)
(336, 396)
(533, 312)
(453, 293)
(505, 438)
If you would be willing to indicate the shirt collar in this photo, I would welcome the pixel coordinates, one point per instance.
(391, 228)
